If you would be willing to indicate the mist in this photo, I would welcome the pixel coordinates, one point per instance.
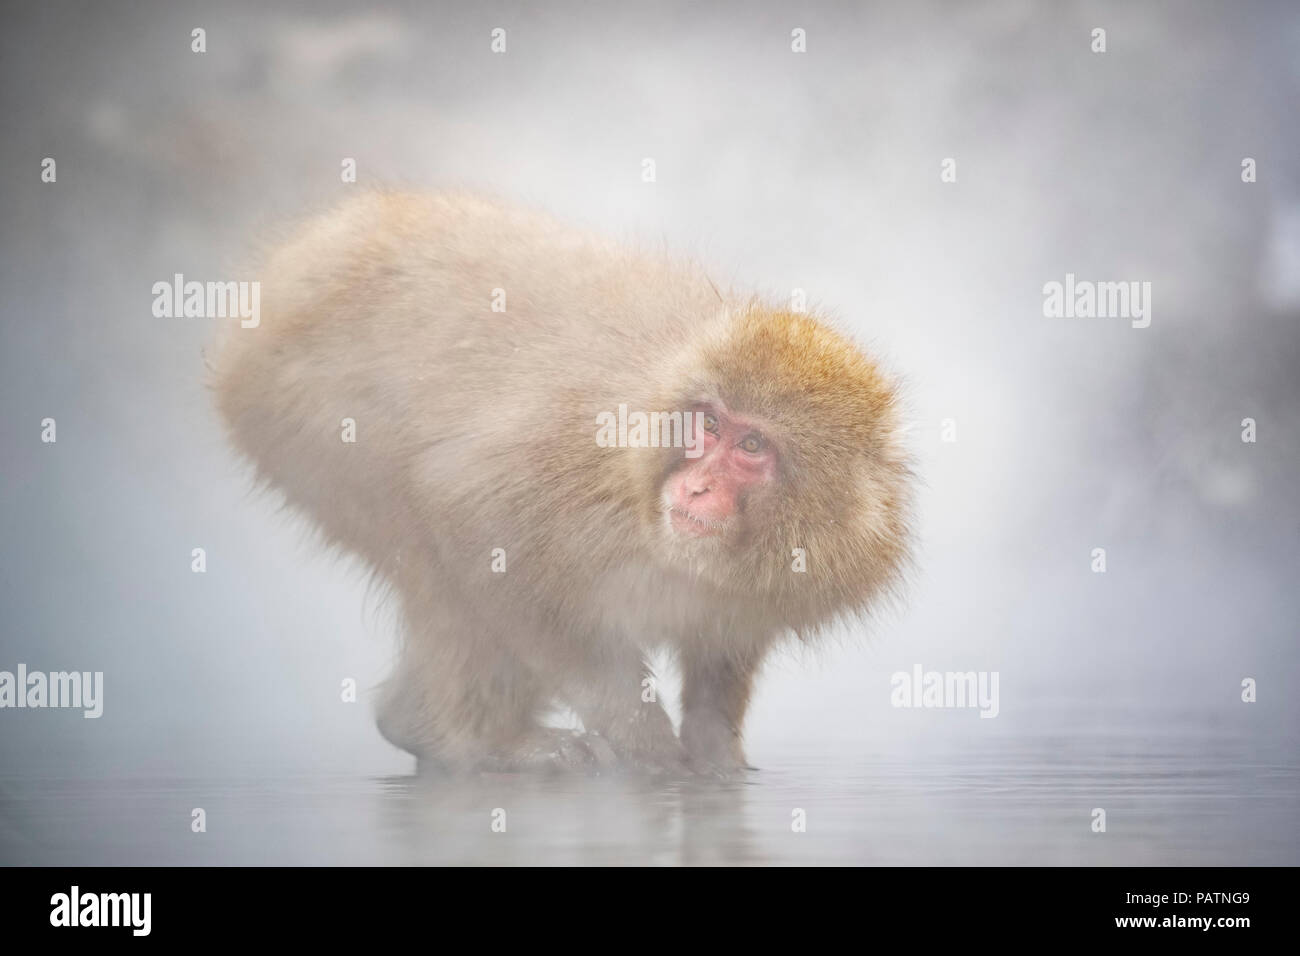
(1037, 439)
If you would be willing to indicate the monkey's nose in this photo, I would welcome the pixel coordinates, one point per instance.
(692, 486)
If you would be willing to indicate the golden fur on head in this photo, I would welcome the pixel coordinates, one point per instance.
(844, 486)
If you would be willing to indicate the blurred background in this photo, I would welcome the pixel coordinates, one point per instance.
(780, 170)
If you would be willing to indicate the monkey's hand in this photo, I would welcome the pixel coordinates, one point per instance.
(712, 745)
(553, 749)
(644, 742)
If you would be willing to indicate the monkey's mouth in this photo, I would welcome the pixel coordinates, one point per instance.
(684, 522)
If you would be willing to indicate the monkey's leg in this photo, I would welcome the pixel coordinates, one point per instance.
(459, 700)
(450, 709)
(715, 694)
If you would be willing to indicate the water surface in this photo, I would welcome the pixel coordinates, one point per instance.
(1178, 801)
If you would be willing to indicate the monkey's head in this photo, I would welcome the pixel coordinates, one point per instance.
(797, 500)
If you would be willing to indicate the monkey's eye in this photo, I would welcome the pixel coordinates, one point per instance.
(752, 443)
(710, 423)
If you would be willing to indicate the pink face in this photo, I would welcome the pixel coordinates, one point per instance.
(705, 494)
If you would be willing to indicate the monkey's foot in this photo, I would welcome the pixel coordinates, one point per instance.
(554, 750)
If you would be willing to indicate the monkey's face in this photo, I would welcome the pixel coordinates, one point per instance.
(708, 495)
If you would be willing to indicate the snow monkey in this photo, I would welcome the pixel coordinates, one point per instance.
(456, 391)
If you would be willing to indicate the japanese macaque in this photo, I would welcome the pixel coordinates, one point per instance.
(432, 384)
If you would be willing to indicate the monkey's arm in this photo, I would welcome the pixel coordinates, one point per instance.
(608, 690)
(716, 685)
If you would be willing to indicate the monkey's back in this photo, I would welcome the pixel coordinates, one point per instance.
(378, 317)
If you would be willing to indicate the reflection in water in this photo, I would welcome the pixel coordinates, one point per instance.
(1175, 801)
(596, 821)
